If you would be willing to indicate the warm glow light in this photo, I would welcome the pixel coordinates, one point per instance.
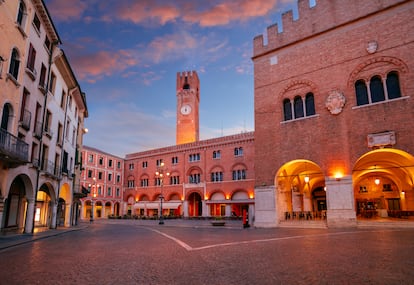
(94, 195)
(206, 197)
(338, 175)
(377, 181)
(251, 195)
(182, 198)
(306, 179)
(402, 193)
(324, 188)
(228, 197)
(136, 199)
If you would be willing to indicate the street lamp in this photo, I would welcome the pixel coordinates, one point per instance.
(93, 196)
(159, 174)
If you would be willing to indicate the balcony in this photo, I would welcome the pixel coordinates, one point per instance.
(13, 151)
(50, 169)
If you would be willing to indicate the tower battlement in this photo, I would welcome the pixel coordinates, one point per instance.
(324, 16)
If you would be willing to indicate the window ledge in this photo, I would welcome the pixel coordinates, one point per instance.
(381, 102)
(14, 80)
(299, 119)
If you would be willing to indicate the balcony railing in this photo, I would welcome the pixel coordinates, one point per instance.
(12, 148)
(25, 120)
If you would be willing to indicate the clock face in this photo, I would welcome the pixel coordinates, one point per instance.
(186, 109)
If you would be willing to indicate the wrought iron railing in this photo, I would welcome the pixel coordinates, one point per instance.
(13, 147)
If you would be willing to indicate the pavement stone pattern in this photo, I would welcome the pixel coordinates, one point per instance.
(194, 252)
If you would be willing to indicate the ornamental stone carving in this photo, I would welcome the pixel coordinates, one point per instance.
(335, 102)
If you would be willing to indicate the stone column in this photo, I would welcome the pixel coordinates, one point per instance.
(228, 210)
(266, 207)
(185, 208)
(67, 214)
(53, 221)
(29, 215)
(340, 202)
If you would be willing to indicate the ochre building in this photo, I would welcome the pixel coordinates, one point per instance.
(333, 92)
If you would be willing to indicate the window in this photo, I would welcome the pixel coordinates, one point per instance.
(21, 15)
(131, 183)
(216, 154)
(377, 93)
(310, 104)
(109, 191)
(216, 176)
(52, 83)
(101, 160)
(118, 178)
(377, 90)
(194, 178)
(238, 151)
(89, 173)
(42, 78)
(298, 107)
(393, 85)
(144, 164)
(31, 59)
(14, 64)
(174, 160)
(287, 110)
(63, 100)
(48, 44)
(60, 134)
(36, 22)
(144, 182)
(174, 180)
(110, 163)
(109, 176)
(118, 192)
(48, 123)
(239, 174)
(159, 162)
(194, 157)
(157, 181)
(99, 190)
(131, 166)
(90, 157)
(25, 115)
(119, 164)
(100, 175)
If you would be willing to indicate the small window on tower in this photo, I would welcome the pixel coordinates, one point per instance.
(186, 85)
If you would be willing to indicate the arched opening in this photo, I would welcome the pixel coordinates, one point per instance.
(300, 191)
(15, 205)
(60, 219)
(5, 117)
(195, 208)
(44, 206)
(383, 184)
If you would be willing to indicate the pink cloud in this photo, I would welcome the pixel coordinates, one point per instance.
(92, 67)
(67, 10)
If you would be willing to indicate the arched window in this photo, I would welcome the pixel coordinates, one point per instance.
(377, 89)
(361, 92)
(298, 104)
(14, 63)
(393, 85)
(287, 110)
(21, 15)
(310, 104)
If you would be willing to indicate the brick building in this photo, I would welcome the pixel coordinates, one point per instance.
(102, 177)
(334, 113)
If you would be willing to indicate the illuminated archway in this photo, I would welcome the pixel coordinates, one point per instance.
(296, 182)
(383, 182)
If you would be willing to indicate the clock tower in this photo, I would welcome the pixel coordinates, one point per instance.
(188, 98)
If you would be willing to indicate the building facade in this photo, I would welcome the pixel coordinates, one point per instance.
(334, 113)
(42, 121)
(102, 179)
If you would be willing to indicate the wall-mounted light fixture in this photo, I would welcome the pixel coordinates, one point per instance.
(377, 181)
(306, 179)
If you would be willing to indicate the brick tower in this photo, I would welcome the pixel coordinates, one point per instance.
(188, 98)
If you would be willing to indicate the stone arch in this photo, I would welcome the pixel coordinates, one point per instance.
(383, 180)
(297, 87)
(295, 182)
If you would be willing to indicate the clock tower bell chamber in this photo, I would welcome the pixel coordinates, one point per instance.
(188, 98)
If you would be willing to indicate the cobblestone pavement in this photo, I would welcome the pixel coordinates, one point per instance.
(130, 252)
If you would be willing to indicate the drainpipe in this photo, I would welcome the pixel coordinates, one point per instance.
(52, 48)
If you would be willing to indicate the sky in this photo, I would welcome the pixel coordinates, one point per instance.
(126, 55)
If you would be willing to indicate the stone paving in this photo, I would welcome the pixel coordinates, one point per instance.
(194, 252)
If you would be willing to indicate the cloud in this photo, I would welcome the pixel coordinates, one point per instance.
(94, 66)
(67, 10)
